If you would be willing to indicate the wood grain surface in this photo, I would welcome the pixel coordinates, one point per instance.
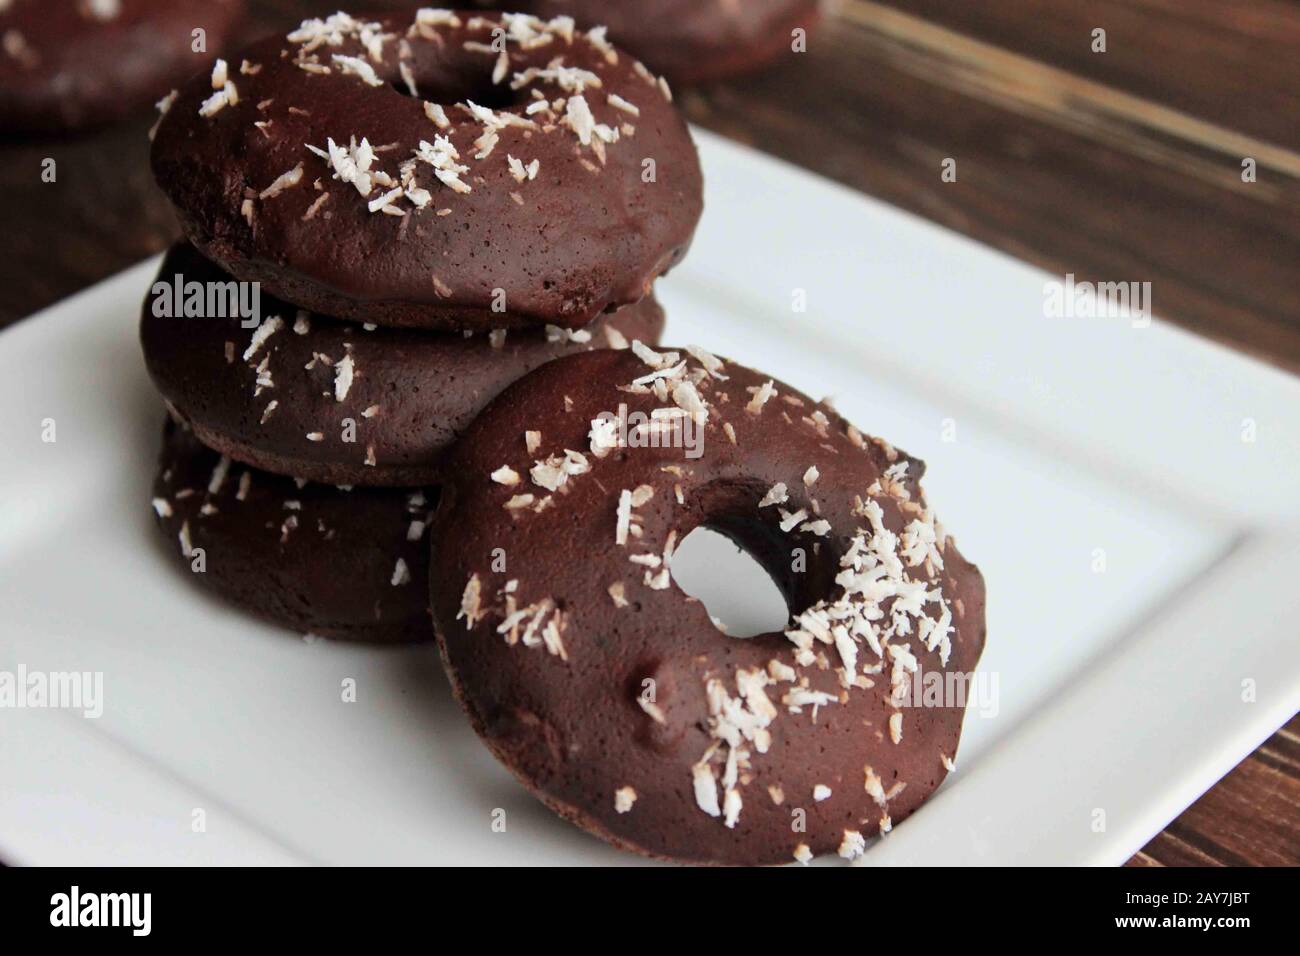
(1122, 165)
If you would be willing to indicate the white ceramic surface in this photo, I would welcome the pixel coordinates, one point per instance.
(1119, 691)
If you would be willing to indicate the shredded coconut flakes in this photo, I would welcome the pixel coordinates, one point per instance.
(624, 797)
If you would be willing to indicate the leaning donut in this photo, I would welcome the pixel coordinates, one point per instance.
(440, 170)
(612, 696)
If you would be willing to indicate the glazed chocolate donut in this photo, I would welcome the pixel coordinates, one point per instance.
(70, 64)
(405, 173)
(611, 695)
(312, 397)
(693, 41)
(346, 564)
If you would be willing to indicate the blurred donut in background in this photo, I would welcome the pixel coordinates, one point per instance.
(67, 65)
(689, 41)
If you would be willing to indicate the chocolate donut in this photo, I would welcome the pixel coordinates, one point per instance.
(402, 171)
(70, 64)
(346, 564)
(308, 396)
(693, 41)
(612, 696)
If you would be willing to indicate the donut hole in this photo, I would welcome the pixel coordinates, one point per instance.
(751, 576)
(449, 83)
(738, 592)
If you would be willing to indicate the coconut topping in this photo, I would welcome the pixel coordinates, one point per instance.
(625, 520)
(268, 327)
(791, 518)
(163, 105)
(540, 624)
(351, 164)
(219, 472)
(102, 10)
(879, 607)
(556, 334)
(603, 436)
(401, 573)
(624, 797)
(471, 608)
(553, 473)
(775, 495)
(706, 787)
(616, 101)
(355, 66)
(343, 375)
(505, 475)
(225, 92)
(852, 846)
(335, 29)
(521, 502)
(761, 397)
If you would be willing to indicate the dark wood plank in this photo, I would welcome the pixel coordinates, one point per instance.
(1250, 817)
(101, 214)
(1232, 64)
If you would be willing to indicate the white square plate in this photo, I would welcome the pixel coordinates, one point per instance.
(1054, 445)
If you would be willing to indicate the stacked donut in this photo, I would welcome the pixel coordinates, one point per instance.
(388, 221)
(454, 379)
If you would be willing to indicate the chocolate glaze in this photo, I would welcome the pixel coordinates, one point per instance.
(692, 41)
(421, 388)
(580, 238)
(329, 575)
(63, 68)
(571, 728)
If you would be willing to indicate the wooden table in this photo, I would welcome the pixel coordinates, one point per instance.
(1116, 165)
